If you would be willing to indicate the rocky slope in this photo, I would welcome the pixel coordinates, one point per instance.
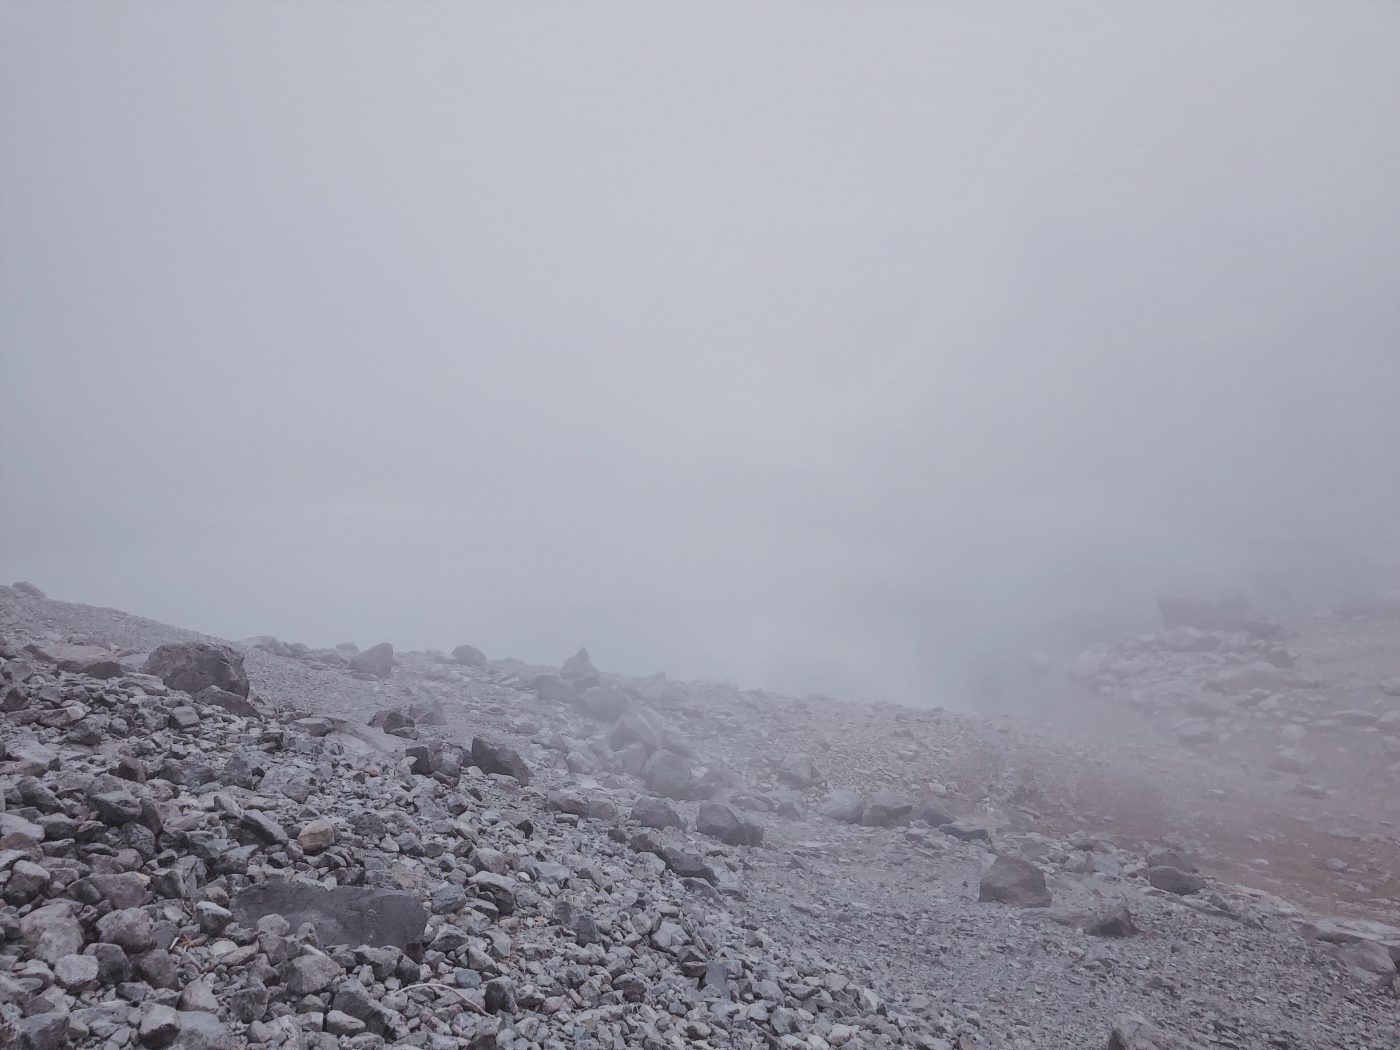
(209, 846)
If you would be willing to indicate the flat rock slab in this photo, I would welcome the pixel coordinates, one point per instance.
(352, 915)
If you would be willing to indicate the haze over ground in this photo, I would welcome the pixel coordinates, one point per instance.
(818, 347)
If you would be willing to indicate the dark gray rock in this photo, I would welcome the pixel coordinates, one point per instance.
(343, 915)
(377, 660)
(45, 1031)
(1011, 880)
(671, 775)
(1174, 880)
(1116, 922)
(799, 771)
(551, 687)
(637, 725)
(195, 666)
(469, 655)
(655, 813)
(724, 822)
(491, 757)
(231, 702)
(28, 589)
(845, 805)
(1134, 1032)
(601, 702)
(578, 665)
(887, 808)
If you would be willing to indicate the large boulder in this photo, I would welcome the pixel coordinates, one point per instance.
(91, 660)
(886, 808)
(799, 771)
(672, 775)
(350, 915)
(233, 702)
(1174, 880)
(603, 702)
(195, 666)
(578, 665)
(637, 725)
(469, 655)
(845, 805)
(1011, 880)
(724, 822)
(491, 757)
(27, 589)
(552, 687)
(377, 660)
(653, 812)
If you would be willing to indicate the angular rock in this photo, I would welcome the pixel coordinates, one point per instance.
(1011, 880)
(843, 804)
(1134, 1032)
(887, 808)
(344, 915)
(1116, 922)
(377, 660)
(1174, 880)
(724, 822)
(491, 757)
(229, 701)
(799, 771)
(577, 665)
(671, 775)
(653, 812)
(195, 666)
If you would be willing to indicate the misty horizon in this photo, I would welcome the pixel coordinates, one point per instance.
(821, 348)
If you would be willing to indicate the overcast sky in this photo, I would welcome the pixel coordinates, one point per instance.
(816, 346)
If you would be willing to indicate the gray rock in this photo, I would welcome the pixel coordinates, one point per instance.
(52, 931)
(44, 1031)
(28, 589)
(886, 808)
(76, 972)
(843, 804)
(1116, 922)
(195, 666)
(577, 665)
(1173, 880)
(601, 702)
(653, 812)
(727, 824)
(671, 775)
(469, 655)
(112, 800)
(491, 757)
(309, 974)
(316, 836)
(343, 915)
(1134, 1032)
(1011, 880)
(202, 1031)
(159, 1025)
(799, 771)
(229, 701)
(377, 660)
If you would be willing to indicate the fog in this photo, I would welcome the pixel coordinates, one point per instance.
(818, 347)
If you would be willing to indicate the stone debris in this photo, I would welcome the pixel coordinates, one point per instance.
(523, 859)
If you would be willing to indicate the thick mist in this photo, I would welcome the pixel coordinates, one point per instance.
(821, 347)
